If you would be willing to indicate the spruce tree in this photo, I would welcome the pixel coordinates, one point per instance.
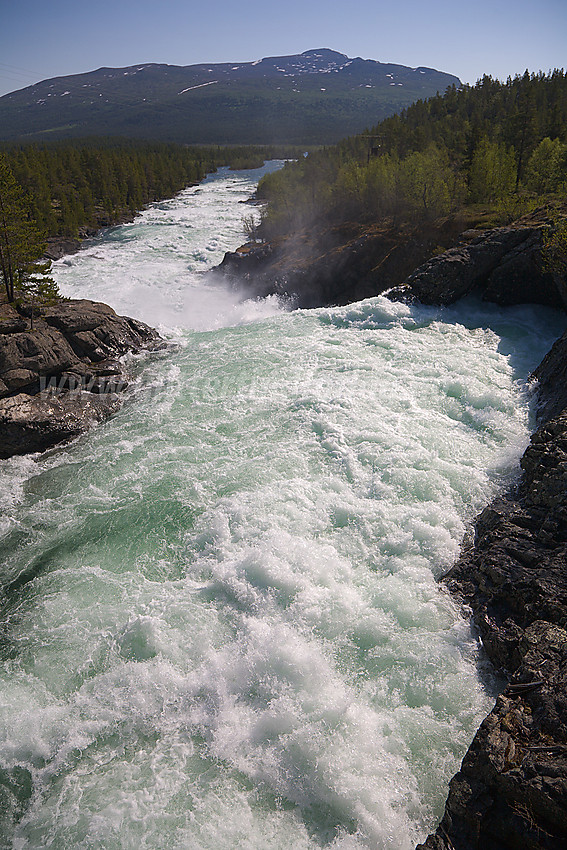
(21, 244)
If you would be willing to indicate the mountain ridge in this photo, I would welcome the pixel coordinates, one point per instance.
(314, 97)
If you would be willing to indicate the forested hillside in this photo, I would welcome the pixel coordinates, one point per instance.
(499, 144)
(316, 97)
(93, 183)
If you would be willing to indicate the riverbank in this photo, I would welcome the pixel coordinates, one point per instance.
(63, 374)
(511, 790)
(61, 246)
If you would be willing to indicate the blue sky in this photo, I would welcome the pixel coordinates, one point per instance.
(47, 38)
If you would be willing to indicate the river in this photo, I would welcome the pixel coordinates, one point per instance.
(232, 635)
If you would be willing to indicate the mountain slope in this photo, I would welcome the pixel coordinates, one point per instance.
(314, 97)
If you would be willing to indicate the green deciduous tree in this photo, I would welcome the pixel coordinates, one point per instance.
(420, 162)
(382, 195)
(428, 184)
(547, 166)
(493, 172)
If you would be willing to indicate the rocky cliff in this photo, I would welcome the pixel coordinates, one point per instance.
(63, 374)
(503, 265)
(333, 266)
(511, 790)
(327, 266)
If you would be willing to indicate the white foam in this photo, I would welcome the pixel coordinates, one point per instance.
(160, 259)
(234, 636)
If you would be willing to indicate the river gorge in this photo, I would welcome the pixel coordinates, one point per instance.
(231, 632)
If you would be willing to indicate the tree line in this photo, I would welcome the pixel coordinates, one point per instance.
(494, 143)
(94, 182)
(66, 188)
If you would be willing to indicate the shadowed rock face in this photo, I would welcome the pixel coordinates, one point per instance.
(551, 375)
(511, 791)
(504, 265)
(327, 267)
(516, 572)
(60, 377)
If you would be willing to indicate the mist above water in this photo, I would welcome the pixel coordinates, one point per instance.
(160, 263)
(232, 635)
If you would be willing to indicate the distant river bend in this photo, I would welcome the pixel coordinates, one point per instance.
(234, 636)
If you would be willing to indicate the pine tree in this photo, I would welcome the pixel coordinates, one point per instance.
(21, 244)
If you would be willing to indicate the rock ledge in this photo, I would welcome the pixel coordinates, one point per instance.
(64, 374)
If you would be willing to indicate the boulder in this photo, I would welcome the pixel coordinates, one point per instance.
(38, 422)
(62, 375)
(10, 320)
(43, 351)
(59, 246)
(80, 315)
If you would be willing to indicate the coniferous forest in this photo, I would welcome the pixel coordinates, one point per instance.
(496, 147)
(92, 183)
(498, 144)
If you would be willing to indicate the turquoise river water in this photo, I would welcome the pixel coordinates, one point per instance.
(230, 634)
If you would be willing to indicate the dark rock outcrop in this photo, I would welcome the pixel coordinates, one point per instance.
(35, 423)
(551, 375)
(503, 265)
(58, 247)
(511, 790)
(61, 376)
(333, 266)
